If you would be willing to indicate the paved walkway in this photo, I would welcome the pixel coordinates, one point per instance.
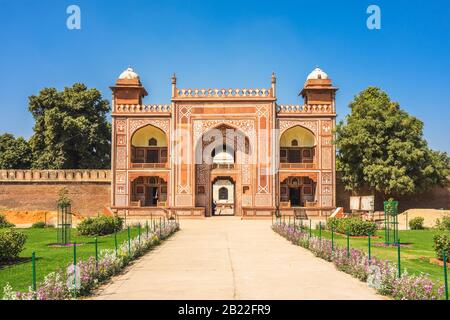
(229, 258)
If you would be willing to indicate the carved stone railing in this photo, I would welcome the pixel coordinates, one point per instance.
(143, 108)
(224, 93)
(300, 165)
(142, 165)
(55, 176)
(309, 108)
(227, 166)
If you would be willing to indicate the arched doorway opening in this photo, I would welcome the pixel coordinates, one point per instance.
(298, 192)
(223, 196)
(149, 192)
(222, 151)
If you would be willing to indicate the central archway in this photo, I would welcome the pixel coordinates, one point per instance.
(221, 151)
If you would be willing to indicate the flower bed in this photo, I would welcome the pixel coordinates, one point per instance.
(379, 274)
(82, 279)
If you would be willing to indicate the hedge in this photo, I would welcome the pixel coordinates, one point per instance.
(100, 226)
(354, 226)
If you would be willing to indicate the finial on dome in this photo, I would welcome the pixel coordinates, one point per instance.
(174, 78)
(274, 78)
(317, 73)
(129, 74)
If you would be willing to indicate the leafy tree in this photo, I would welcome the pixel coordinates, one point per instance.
(71, 129)
(14, 153)
(381, 146)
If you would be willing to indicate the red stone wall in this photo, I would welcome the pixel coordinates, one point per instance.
(88, 198)
(435, 198)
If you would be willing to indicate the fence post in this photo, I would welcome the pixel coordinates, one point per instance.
(96, 254)
(115, 241)
(332, 239)
(146, 227)
(75, 268)
(310, 226)
(289, 221)
(398, 258)
(320, 230)
(139, 232)
(444, 256)
(129, 242)
(33, 271)
(348, 243)
(272, 217)
(159, 228)
(370, 253)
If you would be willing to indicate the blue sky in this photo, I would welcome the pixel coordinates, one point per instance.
(230, 44)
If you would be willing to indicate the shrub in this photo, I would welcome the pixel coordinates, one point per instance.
(11, 243)
(39, 225)
(416, 223)
(100, 226)
(4, 223)
(443, 224)
(354, 226)
(442, 243)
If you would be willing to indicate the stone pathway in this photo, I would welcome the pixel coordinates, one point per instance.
(229, 258)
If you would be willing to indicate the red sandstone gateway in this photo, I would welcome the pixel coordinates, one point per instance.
(223, 151)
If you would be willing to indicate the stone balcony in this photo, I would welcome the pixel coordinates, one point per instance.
(142, 165)
(302, 165)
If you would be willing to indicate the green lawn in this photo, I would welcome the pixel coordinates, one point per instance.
(50, 259)
(415, 259)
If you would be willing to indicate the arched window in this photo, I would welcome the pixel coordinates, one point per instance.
(152, 142)
(294, 143)
(223, 193)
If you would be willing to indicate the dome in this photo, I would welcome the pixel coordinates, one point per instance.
(129, 74)
(317, 73)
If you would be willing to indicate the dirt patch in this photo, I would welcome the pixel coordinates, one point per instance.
(384, 245)
(438, 262)
(429, 215)
(357, 237)
(57, 245)
(21, 217)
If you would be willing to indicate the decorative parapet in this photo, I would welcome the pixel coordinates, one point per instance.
(223, 93)
(142, 108)
(55, 176)
(302, 109)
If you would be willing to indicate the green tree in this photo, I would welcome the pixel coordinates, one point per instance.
(382, 147)
(14, 153)
(71, 129)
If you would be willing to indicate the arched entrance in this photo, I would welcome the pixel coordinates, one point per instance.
(298, 191)
(223, 196)
(221, 154)
(148, 192)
